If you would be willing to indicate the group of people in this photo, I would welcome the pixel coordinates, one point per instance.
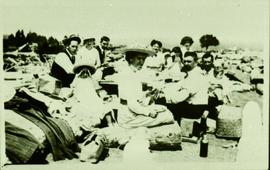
(154, 86)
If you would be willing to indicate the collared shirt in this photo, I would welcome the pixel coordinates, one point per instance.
(193, 87)
(197, 85)
(155, 62)
(92, 54)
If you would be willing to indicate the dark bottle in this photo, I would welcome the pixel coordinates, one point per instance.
(204, 146)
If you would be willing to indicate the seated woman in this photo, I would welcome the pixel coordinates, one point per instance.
(155, 63)
(135, 109)
(87, 109)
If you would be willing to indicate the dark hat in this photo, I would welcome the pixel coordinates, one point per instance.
(71, 38)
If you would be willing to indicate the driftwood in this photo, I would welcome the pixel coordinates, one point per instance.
(165, 137)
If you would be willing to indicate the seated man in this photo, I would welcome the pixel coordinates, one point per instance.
(188, 98)
(62, 67)
(135, 109)
(207, 64)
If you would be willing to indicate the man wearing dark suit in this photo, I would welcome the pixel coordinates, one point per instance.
(104, 43)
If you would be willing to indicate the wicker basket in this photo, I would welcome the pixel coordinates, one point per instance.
(229, 122)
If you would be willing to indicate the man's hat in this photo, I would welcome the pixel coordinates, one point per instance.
(139, 49)
(72, 37)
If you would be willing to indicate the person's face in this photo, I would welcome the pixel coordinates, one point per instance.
(189, 63)
(155, 48)
(207, 62)
(73, 47)
(104, 44)
(187, 46)
(138, 61)
(90, 45)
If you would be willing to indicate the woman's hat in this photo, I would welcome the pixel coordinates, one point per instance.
(139, 49)
(87, 40)
(84, 62)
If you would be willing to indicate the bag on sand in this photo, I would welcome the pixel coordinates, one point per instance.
(92, 149)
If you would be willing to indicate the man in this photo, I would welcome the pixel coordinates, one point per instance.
(62, 67)
(207, 64)
(89, 51)
(102, 48)
(188, 98)
(136, 109)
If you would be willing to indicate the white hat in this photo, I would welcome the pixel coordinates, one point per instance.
(140, 49)
(84, 62)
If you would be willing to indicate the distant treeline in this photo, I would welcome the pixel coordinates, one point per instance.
(44, 45)
(53, 46)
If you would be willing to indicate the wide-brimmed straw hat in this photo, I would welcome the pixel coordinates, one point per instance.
(84, 62)
(139, 49)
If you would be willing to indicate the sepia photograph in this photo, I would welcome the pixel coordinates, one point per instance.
(145, 84)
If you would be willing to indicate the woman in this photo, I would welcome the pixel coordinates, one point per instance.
(136, 109)
(87, 108)
(156, 62)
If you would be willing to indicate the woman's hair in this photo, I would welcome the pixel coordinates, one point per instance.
(178, 50)
(153, 42)
(185, 40)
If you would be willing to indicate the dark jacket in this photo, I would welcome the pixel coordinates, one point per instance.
(58, 72)
(101, 54)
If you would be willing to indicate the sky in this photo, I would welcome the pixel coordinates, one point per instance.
(233, 22)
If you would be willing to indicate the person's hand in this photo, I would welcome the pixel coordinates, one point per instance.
(153, 114)
(159, 108)
(65, 93)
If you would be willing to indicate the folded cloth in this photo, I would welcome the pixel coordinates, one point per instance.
(58, 132)
(19, 121)
(20, 144)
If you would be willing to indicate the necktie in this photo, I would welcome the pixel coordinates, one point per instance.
(72, 58)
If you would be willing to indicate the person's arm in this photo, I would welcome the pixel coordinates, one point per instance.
(177, 96)
(137, 108)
